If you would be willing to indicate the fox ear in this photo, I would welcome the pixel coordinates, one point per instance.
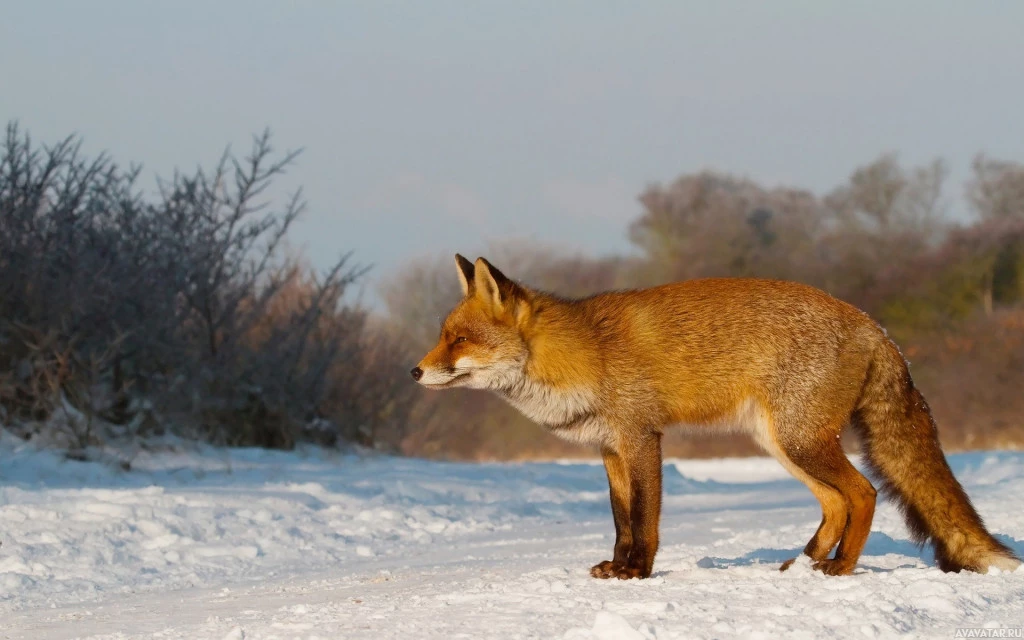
(466, 278)
(491, 284)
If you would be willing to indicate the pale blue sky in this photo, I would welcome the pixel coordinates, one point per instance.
(432, 126)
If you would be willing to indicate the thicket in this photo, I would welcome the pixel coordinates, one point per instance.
(124, 314)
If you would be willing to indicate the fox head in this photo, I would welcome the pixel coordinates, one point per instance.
(481, 344)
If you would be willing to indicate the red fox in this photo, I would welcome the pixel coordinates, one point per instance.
(785, 362)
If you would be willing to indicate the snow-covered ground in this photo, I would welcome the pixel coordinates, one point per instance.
(211, 543)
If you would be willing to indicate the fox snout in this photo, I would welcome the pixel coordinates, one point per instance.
(439, 375)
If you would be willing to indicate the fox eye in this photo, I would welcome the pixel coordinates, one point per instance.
(459, 340)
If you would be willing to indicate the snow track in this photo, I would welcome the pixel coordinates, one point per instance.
(255, 544)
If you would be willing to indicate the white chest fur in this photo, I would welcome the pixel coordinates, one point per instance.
(567, 412)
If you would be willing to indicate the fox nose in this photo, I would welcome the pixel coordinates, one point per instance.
(417, 373)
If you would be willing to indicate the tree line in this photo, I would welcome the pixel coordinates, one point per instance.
(951, 292)
(128, 315)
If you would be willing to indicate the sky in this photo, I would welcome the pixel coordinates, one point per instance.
(439, 126)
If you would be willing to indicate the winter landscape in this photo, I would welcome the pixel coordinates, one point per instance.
(200, 542)
(227, 233)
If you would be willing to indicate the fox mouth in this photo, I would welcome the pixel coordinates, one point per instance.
(449, 383)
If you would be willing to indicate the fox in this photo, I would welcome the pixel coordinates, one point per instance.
(785, 362)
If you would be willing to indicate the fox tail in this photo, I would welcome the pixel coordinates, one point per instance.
(901, 446)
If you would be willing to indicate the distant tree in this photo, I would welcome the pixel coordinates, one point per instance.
(885, 218)
(712, 224)
(889, 200)
(996, 191)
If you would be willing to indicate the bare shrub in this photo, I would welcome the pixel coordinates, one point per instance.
(181, 308)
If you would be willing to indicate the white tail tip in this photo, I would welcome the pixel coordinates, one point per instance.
(1002, 563)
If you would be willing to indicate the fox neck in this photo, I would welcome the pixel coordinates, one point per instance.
(559, 383)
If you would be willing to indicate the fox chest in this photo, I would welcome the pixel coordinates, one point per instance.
(568, 413)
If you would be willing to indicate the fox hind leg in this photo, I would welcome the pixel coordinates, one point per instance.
(829, 466)
(834, 516)
(813, 454)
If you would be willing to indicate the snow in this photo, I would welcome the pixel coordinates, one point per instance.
(199, 542)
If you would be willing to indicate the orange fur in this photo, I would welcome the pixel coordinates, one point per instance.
(786, 362)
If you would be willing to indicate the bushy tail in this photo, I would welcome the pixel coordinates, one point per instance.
(901, 445)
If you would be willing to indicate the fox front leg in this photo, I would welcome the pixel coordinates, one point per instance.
(621, 497)
(635, 472)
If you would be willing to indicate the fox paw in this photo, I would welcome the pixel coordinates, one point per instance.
(611, 569)
(606, 569)
(833, 567)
